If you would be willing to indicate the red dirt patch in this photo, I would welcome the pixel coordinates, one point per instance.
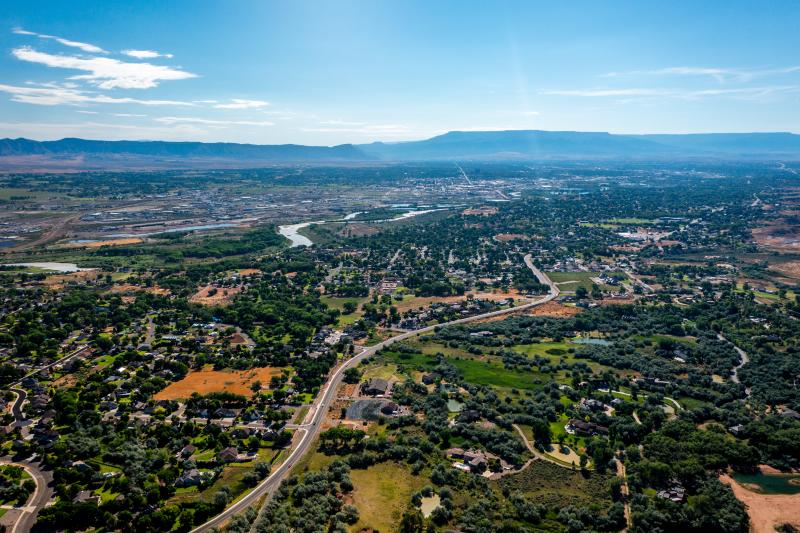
(207, 381)
(554, 309)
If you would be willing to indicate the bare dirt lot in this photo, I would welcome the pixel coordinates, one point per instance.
(128, 288)
(554, 309)
(781, 235)
(766, 510)
(207, 381)
(788, 268)
(210, 295)
(507, 237)
(57, 282)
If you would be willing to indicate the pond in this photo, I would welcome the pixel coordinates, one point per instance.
(591, 340)
(454, 406)
(54, 267)
(770, 483)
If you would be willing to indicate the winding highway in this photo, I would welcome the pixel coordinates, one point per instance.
(328, 394)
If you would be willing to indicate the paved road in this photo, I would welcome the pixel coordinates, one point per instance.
(743, 360)
(673, 401)
(328, 394)
(16, 409)
(41, 496)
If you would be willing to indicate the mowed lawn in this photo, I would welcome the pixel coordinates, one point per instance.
(382, 493)
(492, 373)
(338, 303)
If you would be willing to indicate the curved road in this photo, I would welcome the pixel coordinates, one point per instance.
(743, 360)
(41, 496)
(328, 393)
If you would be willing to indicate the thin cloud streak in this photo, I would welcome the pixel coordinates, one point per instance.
(720, 74)
(86, 47)
(213, 122)
(145, 54)
(634, 93)
(238, 103)
(52, 96)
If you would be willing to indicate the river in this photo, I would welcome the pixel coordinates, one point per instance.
(53, 267)
(291, 231)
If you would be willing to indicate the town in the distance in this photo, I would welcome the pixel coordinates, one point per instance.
(373, 346)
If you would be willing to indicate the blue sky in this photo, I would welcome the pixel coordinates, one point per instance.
(333, 72)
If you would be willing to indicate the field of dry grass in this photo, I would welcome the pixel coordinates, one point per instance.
(207, 381)
(211, 296)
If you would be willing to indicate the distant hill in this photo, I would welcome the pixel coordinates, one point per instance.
(162, 153)
(543, 145)
(520, 145)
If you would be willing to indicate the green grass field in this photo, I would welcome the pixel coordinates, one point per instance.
(555, 486)
(492, 374)
(382, 493)
(338, 303)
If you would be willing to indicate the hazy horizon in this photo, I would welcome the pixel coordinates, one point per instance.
(355, 72)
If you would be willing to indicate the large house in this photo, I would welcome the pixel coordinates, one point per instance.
(581, 427)
(376, 387)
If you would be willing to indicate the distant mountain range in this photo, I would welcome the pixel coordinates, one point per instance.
(516, 145)
(548, 145)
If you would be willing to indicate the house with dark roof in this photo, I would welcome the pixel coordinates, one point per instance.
(228, 455)
(581, 427)
(376, 387)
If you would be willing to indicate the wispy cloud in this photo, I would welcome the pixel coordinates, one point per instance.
(718, 73)
(373, 129)
(212, 122)
(128, 115)
(59, 95)
(685, 94)
(86, 47)
(145, 54)
(105, 72)
(238, 103)
(103, 130)
(341, 123)
(606, 92)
